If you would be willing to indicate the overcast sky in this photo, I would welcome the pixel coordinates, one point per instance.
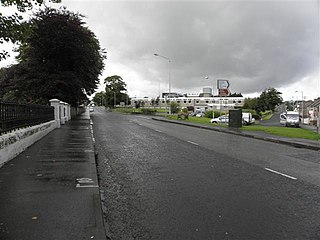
(253, 44)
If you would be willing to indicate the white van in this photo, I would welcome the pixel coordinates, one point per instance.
(247, 118)
(289, 118)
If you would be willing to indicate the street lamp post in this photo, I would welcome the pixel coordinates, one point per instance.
(169, 62)
(301, 106)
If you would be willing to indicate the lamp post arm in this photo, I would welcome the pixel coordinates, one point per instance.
(169, 61)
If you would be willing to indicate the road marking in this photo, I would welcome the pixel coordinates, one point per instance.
(85, 183)
(86, 186)
(193, 143)
(282, 174)
(158, 131)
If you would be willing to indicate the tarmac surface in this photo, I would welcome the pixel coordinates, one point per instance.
(295, 142)
(50, 191)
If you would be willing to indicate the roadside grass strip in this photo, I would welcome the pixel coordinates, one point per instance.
(285, 131)
(279, 131)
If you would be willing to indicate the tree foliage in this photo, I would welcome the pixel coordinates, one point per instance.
(61, 58)
(100, 99)
(250, 103)
(115, 91)
(235, 94)
(174, 107)
(268, 100)
(12, 27)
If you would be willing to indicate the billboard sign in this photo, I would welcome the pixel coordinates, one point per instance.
(223, 92)
(223, 87)
(223, 84)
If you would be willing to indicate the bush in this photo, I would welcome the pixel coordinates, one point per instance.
(148, 111)
(174, 107)
(184, 110)
(208, 114)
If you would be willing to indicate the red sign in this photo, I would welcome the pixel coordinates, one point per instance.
(223, 92)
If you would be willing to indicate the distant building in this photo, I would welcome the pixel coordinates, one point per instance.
(204, 100)
(313, 111)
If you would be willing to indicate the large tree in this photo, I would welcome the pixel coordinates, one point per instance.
(100, 99)
(12, 27)
(269, 99)
(250, 103)
(61, 58)
(115, 91)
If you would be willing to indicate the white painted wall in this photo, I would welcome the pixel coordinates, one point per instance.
(12, 144)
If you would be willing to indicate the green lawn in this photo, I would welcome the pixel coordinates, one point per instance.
(267, 115)
(285, 131)
(279, 131)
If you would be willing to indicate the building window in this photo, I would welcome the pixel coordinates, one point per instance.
(185, 101)
(197, 101)
(207, 101)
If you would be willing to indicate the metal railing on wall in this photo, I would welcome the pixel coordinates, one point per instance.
(14, 115)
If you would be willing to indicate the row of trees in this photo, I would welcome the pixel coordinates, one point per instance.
(58, 57)
(114, 94)
(268, 100)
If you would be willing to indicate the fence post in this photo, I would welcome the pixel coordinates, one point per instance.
(69, 111)
(63, 113)
(56, 104)
(66, 106)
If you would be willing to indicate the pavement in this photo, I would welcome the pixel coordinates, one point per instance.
(50, 191)
(295, 142)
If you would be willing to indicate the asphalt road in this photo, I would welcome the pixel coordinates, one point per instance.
(273, 121)
(167, 181)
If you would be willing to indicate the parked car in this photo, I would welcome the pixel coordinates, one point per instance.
(221, 119)
(289, 118)
(201, 114)
(91, 109)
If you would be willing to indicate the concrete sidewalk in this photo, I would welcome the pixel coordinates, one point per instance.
(295, 142)
(50, 191)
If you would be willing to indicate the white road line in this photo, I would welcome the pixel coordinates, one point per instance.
(86, 186)
(158, 131)
(193, 143)
(282, 174)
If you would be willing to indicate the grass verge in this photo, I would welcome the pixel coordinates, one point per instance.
(285, 131)
(278, 131)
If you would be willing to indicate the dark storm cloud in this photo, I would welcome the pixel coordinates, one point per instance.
(254, 44)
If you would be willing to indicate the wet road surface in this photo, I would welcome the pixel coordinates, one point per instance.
(163, 181)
